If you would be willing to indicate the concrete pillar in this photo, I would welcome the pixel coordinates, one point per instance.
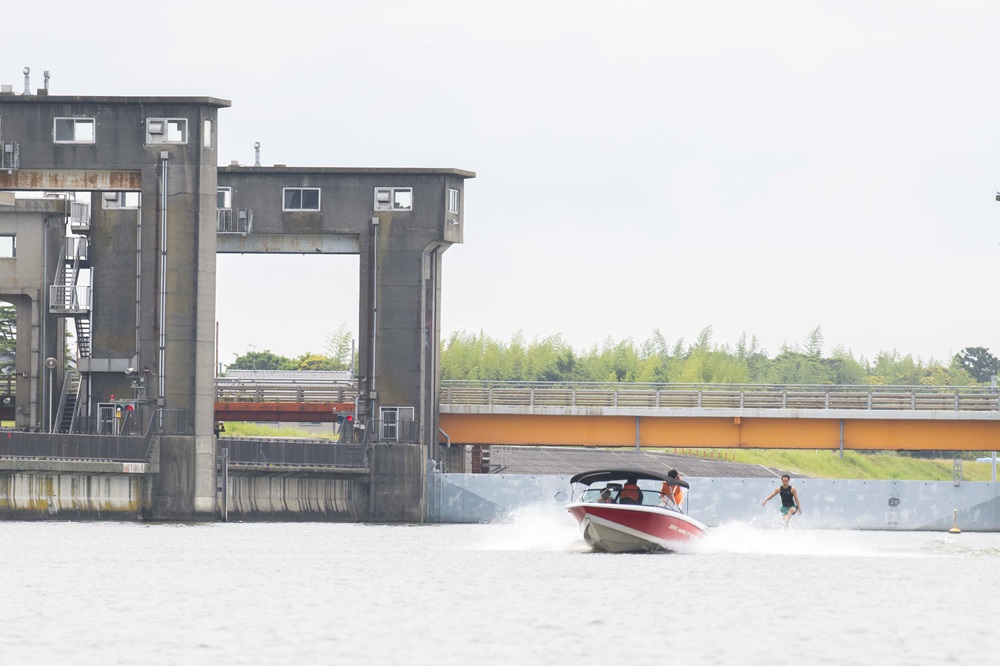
(398, 482)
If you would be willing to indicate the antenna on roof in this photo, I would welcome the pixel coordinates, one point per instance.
(27, 81)
(46, 74)
(256, 153)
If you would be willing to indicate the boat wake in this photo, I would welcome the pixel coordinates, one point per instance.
(745, 538)
(535, 529)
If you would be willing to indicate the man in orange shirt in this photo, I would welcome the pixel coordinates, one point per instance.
(671, 493)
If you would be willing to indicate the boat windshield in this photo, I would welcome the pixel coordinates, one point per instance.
(609, 494)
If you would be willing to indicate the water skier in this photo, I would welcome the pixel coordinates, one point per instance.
(790, 504)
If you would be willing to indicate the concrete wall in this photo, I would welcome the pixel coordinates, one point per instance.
(66, 496)
(398, 481)
(826, 503)
(282, 498)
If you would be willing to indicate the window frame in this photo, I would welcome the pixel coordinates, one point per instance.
(391, 207)
(301, 189)
(121, 200)
(76, 120)
(153, 138)
(13, 246)
(229, 197)
(457, 210)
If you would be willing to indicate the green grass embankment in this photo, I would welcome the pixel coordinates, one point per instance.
(239, 429)
(854, 465)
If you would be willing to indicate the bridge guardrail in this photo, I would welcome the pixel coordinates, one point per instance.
(720, 396)
(235, 390)
(643, 395)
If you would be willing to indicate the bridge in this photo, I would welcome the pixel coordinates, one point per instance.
(640, 415)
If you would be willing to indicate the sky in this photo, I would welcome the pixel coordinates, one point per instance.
(760, 168)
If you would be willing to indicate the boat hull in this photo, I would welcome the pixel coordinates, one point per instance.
(624, 528)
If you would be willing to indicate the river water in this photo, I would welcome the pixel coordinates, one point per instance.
(527, 592)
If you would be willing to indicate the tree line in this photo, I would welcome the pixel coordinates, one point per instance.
(478, 356)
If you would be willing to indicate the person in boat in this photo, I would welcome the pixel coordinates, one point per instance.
(605, 497)
(671, 495)
(630, 492)
(790, 504)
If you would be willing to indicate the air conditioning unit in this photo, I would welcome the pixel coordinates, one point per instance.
(111, 197)
(155, 126)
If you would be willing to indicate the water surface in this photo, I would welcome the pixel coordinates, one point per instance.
(527, 591)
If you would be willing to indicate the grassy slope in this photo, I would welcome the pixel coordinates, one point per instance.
(238, 429)
(889, 465)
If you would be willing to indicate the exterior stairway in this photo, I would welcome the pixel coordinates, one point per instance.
(67, 404)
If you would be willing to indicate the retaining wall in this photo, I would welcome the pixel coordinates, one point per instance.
(826, 503)
(39, 495)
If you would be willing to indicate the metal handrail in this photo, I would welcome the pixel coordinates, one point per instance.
(719, 396)
(641, 395)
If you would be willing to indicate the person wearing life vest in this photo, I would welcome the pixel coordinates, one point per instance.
(630, 493)
(670, 493)
(790, 504)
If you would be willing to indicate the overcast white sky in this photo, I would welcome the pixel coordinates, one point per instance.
(759, 167)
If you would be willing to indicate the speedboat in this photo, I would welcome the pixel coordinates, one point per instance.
(619, 512)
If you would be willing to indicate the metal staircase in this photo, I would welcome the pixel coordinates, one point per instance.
(70, 296)
(67, 296)
(68, 401)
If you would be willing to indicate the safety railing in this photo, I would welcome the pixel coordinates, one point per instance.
(237, 390)
(229, 221)
(642, 395)
(33, 445)
(293, 452)
(718, 396)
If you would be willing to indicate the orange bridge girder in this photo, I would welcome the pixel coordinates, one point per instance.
(725, 432)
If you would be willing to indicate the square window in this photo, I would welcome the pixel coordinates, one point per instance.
(177, 131)
(393, 198)
(402, 199)
(8, 245)
(73, 130)
(166, 130)
(300, 198)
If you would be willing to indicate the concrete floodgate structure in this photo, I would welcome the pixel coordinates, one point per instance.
(112, 211)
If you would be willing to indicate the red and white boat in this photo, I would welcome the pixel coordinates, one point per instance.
(614, 520)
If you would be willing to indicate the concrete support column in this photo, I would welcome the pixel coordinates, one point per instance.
(398, 483)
